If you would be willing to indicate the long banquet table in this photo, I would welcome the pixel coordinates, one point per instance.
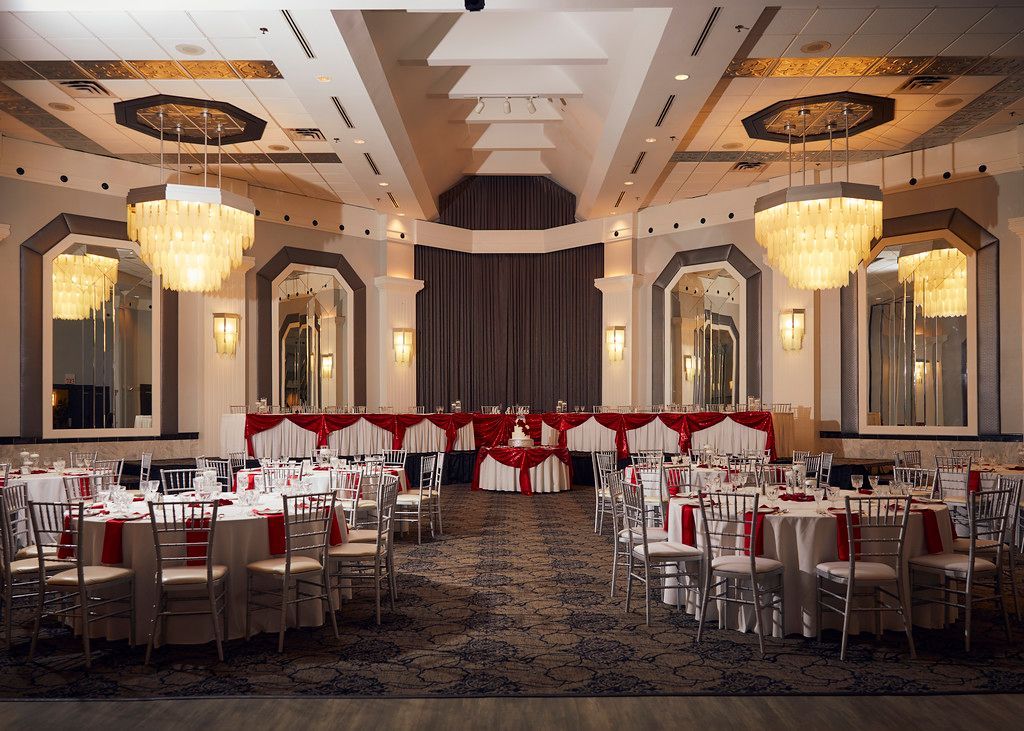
(275, 435)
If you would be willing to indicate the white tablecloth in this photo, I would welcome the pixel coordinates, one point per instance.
(240, 539)
(321, 479)
(801, 539)
(551, 475)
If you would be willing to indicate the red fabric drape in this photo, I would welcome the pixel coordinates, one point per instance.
(620, 424)
(451, 423)
(564, 422)
(687, 424)
(494, 430)
(521, 459)
(256, 423)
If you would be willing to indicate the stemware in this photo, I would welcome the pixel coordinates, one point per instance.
(856, 481)
(59, 465)
(873, 481)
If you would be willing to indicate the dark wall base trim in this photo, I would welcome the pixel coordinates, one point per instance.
(924, 437)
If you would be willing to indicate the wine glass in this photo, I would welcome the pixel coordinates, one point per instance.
(819, 501)
(873, 481)
(856, 481)
(58, 466)
(150, 489)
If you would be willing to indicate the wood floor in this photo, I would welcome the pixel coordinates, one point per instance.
(497, 714)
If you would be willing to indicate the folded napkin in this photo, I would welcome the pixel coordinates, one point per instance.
(842, 537)
(798, 498)
(221, 502)
(39, 472)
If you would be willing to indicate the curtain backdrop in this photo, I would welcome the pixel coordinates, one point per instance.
(509, 328)
(508, 202)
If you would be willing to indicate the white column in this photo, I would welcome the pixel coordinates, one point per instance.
(396, 309)
(1016, 225)
(619, 379)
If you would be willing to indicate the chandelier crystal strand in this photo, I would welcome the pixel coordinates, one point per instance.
(82, 283)
(939, 280)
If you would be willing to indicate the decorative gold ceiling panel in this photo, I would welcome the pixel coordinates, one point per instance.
(818, 119)
(257, 69)
(57, 69)
(209, 69)
(787, 67)
(160, 69)
(102, 70)
(848, 66)
(191, 120)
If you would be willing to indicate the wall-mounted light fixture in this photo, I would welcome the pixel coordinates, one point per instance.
(792, 325)
(689, 367)
(616, 337)
(327, 366)
(403, 345)
(920, 370)
(226, 326)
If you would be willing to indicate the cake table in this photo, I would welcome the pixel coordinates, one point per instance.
(523, 469)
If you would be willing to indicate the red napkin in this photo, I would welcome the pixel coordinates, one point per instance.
(689, 525)
(842, 537)
(113, 550)
(67, 541)
(759, 520)
(797, 498)
(250, 479)
(196, 532)
(220, 501)
(932, 537)
(275, 533)
(38, 472)
(973, 481)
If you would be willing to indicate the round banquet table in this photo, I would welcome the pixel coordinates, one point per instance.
(801, 538)
(321, 478)
(46, 486)
(241, 537)
(497, 469)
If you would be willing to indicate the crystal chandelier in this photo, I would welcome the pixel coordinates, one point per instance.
(940, 281)
(817, 235)
(192, 236)
(81, 284)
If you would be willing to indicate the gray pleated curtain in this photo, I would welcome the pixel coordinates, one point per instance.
(508, 328)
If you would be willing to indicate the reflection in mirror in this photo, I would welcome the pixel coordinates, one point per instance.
(705, 338)
(102, 339)
(311, 341)
(917, 300)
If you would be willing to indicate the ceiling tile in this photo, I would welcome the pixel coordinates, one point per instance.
(170, 44)
(976, 44)
(882, 85)
(220, 24)
(12, 27)
(922, 44)
(1001, 20)
(771, 46)
(950, 20)
(1013, 47)
(893, 20)
(835, 41)
(239, 47)
(836, 20)
(30, 49)
(90, 47)
(53, 24)
(110, 25)
(790, 20)
(166, 24)
(869, 45)
(971, 84)
(178, 87)
(137, 47)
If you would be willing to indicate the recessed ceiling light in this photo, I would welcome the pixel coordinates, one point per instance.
(278, 148)
(815, 47)
(944, 103)
(682, 77)
(359, 141)
(61, 107)
(614, 213)
(628, 182)
(650, 139)
(323, 78)
(383, 185)
(190, 49)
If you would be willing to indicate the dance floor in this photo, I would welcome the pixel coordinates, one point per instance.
(513, 600)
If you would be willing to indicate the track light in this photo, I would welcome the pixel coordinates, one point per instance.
(479, 105)
(508, 106)
(530, 106)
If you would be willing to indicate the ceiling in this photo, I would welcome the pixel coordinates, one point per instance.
(379, 107)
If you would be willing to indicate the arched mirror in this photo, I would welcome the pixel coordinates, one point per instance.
(917, 327)
(313, 339)
(101, 344)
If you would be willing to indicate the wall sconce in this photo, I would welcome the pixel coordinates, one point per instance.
(327, 366)
(403, 345)
(791, 329)
(920, 370)
(616, 342)
(225, 332)
(689, 367)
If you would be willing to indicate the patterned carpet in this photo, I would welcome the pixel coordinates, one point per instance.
(513, 600)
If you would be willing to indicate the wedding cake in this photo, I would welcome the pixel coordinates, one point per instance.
(519, 437)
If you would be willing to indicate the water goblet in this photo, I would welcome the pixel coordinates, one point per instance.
(819, 501)
(873, 481)
(58, 466)
(150, 489)
(856, 481)
(103, 494)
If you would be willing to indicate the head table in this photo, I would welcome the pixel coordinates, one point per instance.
(276, 435)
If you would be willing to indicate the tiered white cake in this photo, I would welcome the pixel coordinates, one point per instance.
(519, 437)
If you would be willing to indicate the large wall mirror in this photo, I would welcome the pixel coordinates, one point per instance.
(101, 340)
(707, 307)
(917, 330)
(313, 339)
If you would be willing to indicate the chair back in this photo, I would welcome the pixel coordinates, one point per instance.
(606, 461)
(283, 474)
(438, 472)
(5, 471)
(145, 466)
(347, 485)
(395, 458)
(729, 524)
(918, 480)
(825, 473)
(387, 499)
(773, 474)
(799, 455)
(200, 463)
(57, 526)
(747, 470)
(183, 535)
(114, 466)
(647, 458)
(952, 475)
(237, 460)
(307, 523)
(988, 516)
(974, 455)
(876, 528)
(812, 467)
(428, 466)
(613, 481)
(677, 476)
(633, 511)
(87, 487)
(224, 471)
(175, 481)
(15, 530)
(908, 458)
(81, 459)
(652, 479)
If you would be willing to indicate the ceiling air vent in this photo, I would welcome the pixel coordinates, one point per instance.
(305, 134)
(371, 163)
(664, 111)
(638, 163)
(618, 200)
(394, 201)
(84, 88)
(298, 34)
(707, 31)
(926, 83)
(745, 165)
(342, 112)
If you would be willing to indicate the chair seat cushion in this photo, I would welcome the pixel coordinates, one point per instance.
(963, 545)
(653, 534)
(300, 565)
(863, 572)
(33, 551)
(667, 550)
(411, 498)
(353, 550)
(192, 574)
(951, 563)
(31, 566)
(741, 565)
(91, 574)
(362, 535)
(362, 504)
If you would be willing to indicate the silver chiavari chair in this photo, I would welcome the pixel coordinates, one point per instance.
(284, 474)
(145, 466)
(301, 574)
(394, 458)
(952, 478)
(186, 573)
(647, 457)
(78, 488)
(237, 460)
(908, 458)
(225, 474)
(5, 472)
(114, 466)
(731, 527)
(82, 593)
(200, 463)
(988, 516)
(773, 474)
(81, 459)
(435, 493)
(918, 481)
(176, 481)
(411, 505)
(812, 468)
(974, 455)
(825, 469)
(799, 455)
(652, 479)
(602, 462)
(347, 486)
(653, 563)
(678, 476)
(876, 529)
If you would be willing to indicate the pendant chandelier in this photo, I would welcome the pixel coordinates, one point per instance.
(817, 235)
(81, 283)
(192, 236)
(940, 281)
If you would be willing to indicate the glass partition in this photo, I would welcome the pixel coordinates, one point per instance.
(705, 336)
(102, 353)
(917, 300)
